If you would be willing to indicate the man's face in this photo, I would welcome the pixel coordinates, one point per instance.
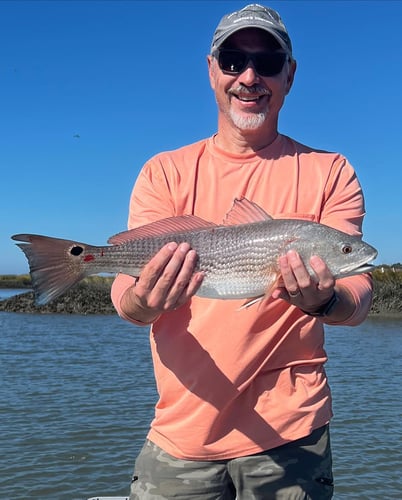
(249, 100)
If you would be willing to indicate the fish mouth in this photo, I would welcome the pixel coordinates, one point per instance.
(366, 268)
(363, 268)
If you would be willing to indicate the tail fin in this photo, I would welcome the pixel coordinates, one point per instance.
(51, 268)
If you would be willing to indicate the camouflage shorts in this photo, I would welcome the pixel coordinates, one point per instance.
(295, 471)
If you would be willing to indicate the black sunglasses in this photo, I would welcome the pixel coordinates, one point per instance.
(234, 62)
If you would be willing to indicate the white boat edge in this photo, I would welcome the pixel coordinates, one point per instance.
(108, 498)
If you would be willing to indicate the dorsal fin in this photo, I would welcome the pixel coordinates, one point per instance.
(180, 224)
(244, 211)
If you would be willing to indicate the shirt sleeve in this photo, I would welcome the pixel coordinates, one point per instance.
(344, 209)
(150, 201)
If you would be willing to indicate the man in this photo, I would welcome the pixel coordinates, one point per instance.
(244, 403)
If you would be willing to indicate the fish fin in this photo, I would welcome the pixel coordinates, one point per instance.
(251, 302)
(51, 272)
(273, 283)
(178, 224)
(244, 211)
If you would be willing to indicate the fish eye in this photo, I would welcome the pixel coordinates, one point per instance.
(76, 250)
(346, 249)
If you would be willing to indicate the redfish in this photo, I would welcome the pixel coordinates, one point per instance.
(239, 258)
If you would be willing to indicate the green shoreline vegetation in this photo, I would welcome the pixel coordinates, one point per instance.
(92, 295)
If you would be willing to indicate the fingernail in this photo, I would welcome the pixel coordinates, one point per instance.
(184, 247)
(192, 254)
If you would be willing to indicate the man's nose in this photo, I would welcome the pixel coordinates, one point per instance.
(249, 76)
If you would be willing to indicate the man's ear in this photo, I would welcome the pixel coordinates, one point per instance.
(211, 71)
(291, 75)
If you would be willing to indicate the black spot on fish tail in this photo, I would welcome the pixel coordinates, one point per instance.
(76, 251)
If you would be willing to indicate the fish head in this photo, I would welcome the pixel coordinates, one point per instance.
(344, 254)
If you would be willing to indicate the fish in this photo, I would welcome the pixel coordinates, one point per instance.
(239, 258)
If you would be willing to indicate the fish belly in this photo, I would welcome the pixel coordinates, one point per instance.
(236, 264)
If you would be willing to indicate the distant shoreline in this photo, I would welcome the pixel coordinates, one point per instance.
(92, 296)
(88, 297)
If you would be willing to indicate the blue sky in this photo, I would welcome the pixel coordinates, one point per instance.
(130, 79)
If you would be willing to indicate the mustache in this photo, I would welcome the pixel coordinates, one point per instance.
(254, 89)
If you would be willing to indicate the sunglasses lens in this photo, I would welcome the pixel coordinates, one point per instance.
(269, 64)
(232, 61)
(265, 63)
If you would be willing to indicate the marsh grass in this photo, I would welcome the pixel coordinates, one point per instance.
(92, 295)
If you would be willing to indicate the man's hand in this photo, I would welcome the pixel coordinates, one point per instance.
(299, 288)
(166, 283)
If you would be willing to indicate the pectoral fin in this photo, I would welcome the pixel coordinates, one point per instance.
(273, 283)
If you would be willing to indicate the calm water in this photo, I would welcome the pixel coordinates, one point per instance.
(5, 293)
(77, 394)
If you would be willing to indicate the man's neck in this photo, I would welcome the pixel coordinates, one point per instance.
(239, 141)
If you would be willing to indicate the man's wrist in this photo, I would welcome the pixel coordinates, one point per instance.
(131, 307)
(326, 309)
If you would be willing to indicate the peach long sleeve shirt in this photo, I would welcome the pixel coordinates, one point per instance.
(230, 382)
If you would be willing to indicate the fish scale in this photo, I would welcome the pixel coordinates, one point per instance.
(238, 260)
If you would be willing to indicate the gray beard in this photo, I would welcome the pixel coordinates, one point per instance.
(250, 121)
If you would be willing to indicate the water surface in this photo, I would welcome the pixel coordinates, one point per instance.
(77, 397)
(6, 293)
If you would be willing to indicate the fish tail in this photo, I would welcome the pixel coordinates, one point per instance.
(52, 270)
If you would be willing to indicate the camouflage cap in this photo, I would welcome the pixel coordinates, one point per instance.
(252, 16)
